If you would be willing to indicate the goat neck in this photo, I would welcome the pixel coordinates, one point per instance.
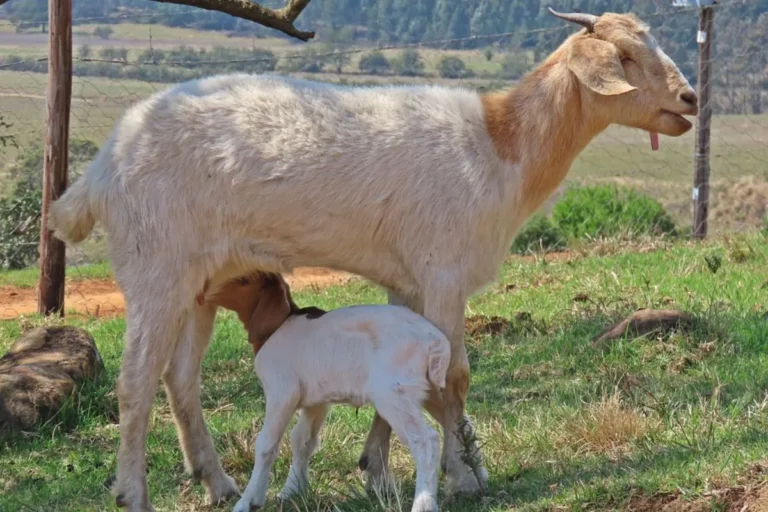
(541, 125)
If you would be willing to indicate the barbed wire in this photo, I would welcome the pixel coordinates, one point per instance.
(618, 156)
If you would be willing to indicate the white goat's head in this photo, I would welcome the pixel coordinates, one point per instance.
(626, 77)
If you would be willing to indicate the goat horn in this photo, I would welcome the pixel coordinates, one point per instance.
(585, 20)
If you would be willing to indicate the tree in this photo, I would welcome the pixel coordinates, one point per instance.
(337, 42)
(84, 51)
(308, 61)
(278, 19)
(514, 65)
(375, 63)
(339, 59)
(35, 12)
(409, 63)
(451, 67)
(5, 139)
(121, 54)
(103, 32)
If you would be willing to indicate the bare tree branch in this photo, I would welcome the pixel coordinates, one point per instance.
(280, 19)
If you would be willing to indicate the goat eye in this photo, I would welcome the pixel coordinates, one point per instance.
(243, 281)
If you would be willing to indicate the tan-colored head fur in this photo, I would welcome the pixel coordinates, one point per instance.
(611, 72)
(262, 301)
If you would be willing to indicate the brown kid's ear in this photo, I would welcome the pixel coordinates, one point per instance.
(597, 65)
(272, 309)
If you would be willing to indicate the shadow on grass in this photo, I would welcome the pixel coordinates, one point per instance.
(514, 372)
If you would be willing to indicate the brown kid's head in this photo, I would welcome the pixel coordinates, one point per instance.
(262, 301)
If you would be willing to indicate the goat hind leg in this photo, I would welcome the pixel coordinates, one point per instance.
(305, 440)
(409, 424)
(374, 460)
(182, 381)
(151, 335)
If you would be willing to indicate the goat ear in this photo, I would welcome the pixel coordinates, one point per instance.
(597, 65)
(268, 315)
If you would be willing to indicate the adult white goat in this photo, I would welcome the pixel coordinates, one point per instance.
(420, 189)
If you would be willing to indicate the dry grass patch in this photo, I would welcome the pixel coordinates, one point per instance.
(606, 427)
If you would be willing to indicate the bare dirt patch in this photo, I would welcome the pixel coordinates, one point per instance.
(103, 298)
(752, 497)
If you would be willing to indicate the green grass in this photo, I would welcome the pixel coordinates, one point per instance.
(28, 277)
(563, 424)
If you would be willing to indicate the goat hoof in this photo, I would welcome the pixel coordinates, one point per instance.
(363, 463)
(221, 490)
(466, 484)
(245, 506)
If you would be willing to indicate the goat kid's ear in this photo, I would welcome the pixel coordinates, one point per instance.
(597, 65)
(267, 317)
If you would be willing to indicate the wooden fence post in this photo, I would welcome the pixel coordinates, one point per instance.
(50, 298)
(701, 174)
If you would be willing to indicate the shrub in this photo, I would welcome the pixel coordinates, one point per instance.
(307, 61)
(514, 66)
(103, 32)
(20, 228)
(539, 234)
(605, 210)
(451, 67)
(375, 63)
(409, 63)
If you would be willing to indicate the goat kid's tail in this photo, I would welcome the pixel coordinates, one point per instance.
(438, 361)
(70, 217)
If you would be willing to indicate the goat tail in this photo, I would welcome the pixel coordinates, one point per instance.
(71, 218)
(438, 361)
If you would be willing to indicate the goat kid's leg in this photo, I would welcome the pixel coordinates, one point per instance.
(182, 381)
(305, 440)
(444, 307)
(374, 460)
(276, 419)
(409, 424)
(151, 334)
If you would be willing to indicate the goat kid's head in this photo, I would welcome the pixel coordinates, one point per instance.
(626, 77)
(262, 301)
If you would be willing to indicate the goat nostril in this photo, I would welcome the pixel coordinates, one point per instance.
(689, 97)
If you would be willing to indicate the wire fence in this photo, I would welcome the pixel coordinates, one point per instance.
(115, 70)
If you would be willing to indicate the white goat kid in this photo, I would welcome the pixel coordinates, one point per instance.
(419, 189)
(384, 355)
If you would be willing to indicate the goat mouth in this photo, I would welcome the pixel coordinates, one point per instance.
(691, 111)
(673, 124)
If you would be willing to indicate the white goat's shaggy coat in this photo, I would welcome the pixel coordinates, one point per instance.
(420, 189)
(388, 356)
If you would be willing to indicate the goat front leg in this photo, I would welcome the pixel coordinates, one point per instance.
(182, 381)
(280, 408)
(374, 460)
(444, 307)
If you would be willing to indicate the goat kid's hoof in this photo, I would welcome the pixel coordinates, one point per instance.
(424, 504)
(245, 505)
(123, 503)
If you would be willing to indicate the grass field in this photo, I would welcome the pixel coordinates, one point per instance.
(564, 426)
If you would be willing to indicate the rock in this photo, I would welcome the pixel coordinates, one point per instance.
(40, 371)
(644, 321)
